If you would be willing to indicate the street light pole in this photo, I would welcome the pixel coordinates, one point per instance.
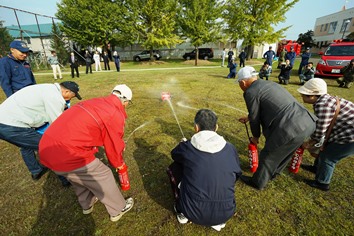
(345, 27)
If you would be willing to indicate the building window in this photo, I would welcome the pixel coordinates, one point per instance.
(332, 27)
(345, 25)
(326, 27)
(321, 28)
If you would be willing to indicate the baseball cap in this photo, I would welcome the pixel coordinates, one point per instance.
(20, 45)
(246, 72)
(73, 87)
(315, 86)
(124, 90)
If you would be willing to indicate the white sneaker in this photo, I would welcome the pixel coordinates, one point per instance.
(180, 217)
(129, 203)
(218, 227)
(89, 210)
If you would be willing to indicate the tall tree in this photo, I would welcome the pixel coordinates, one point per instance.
(306, 39)
(253, 20)
(198, 21)
(91, 22)
(154, 23)
(5, 40)
(58, 44)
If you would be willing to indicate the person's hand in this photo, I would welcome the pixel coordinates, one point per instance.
(254, 140)
(243, 120)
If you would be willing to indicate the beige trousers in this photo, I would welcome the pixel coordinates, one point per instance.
(96, 180)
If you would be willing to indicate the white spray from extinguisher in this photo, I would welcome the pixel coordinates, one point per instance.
(166, 96)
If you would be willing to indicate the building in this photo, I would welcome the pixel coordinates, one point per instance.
(38, 39)
(334, 26)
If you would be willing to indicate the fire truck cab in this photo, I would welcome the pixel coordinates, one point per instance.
(337, 55)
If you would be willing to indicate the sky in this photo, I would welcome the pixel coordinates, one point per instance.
(301, 17)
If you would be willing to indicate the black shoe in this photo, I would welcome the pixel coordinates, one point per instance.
(40, 174)
(248, 181)
(315, 184)
(310, 168)
(66, 184)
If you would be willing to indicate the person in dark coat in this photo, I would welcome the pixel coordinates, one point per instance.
(15, 71)
(74, 65)
(291, 56)
(305, 57)
(232, 66)
(348, 75)
(106, 61)
(284, 122)
(269, 56)
(88, 60)
(116, 58)
(230, 55)
(203, 175)
(285, 70)
(242, 57)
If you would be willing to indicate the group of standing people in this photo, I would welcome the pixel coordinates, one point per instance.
(89, 60)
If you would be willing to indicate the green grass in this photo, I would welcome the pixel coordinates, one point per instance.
(286, 207)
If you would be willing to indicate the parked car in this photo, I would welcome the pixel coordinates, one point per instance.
(338, 54)
(204, 53)
(145, 55)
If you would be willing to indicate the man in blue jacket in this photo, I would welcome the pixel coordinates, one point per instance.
(15, 71)
(304, 60)
(203, 175)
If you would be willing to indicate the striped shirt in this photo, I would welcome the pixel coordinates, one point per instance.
(343, 129)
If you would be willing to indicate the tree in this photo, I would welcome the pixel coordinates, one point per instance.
(306, 39)
(154, 23)
(58, 44)
(253, 20)
(198, 21)
(5, 40)
(350, 37)
(91, 22)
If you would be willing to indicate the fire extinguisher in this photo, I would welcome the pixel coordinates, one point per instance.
(252, 153)
(123, 177)
(296, 160)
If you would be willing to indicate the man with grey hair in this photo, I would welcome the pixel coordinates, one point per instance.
(69, 145)
(284, 122)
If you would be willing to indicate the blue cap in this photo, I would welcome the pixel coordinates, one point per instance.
(20, 45)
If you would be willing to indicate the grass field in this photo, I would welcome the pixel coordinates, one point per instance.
(286, 207)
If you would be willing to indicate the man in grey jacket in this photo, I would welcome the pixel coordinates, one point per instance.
(284, 122)
(29, 109)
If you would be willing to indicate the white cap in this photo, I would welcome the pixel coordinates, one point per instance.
(246, 72)
(124, 90)
(315, 86)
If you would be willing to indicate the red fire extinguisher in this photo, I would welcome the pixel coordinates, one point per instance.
(252, 153)
(296, 160)
(123, 177)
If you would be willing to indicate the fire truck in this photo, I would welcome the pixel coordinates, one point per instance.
(288, 44)
(336, 56)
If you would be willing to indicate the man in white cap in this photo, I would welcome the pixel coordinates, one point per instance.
(15, 71)
(284, 122)
(340, 142)
(69, 145)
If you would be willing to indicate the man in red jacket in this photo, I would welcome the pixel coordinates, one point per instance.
(69, 145)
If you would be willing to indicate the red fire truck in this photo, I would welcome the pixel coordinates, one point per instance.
(288, 44)
(337, 55)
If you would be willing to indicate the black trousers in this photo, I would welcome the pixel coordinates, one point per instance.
(76, 68)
